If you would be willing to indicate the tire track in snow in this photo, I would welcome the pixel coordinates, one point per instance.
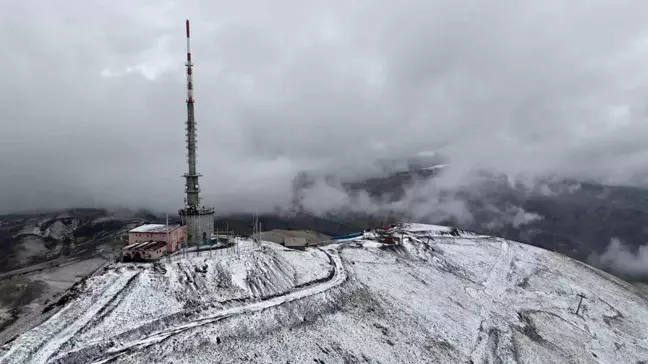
(39, 344)
(339, 277)
(494, 289)
(106, 310)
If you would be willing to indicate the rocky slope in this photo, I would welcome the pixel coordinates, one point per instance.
(44, 254)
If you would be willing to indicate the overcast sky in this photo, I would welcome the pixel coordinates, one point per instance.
(92, 93)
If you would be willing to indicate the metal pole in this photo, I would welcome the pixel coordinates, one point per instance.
(167, 232)
(579, 302)
(198, 223)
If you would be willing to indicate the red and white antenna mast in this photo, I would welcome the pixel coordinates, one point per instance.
(199, 219)
(191, 187)
(189, 67)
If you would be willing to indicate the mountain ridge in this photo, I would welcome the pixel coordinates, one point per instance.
(439, 295)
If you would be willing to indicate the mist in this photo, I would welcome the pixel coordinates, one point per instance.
(92, 98)
(622, 260)
(442, 198)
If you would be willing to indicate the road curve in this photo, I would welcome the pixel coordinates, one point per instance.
(339, 276)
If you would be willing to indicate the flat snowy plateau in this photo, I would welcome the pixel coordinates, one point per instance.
(441, 296)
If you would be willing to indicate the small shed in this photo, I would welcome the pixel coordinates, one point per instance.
(297, 243)
(144, 251)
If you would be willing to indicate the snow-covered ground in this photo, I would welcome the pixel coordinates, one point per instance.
(442, 296)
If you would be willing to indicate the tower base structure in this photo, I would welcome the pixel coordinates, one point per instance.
(200, 224)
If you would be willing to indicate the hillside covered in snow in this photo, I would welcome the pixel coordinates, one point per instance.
(438, 296)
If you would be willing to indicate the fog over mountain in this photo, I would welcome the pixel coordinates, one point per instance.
(92, 105)
(622, 260)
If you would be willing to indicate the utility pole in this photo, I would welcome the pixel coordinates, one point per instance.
(579, 302)
(211, 245)
(258, 229)
(254, 227)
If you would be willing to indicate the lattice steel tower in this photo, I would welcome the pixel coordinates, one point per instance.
(199, 219)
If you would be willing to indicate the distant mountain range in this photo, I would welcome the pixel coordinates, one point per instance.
(577, 219)
(572, 218)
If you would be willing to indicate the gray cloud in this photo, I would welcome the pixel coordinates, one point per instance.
(620, 259)
(514, 216)
(92, 95)
(425, 200)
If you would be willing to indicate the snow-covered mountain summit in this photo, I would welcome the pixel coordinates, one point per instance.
(440, 295)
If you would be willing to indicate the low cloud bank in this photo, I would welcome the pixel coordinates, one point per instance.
(621, 260)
